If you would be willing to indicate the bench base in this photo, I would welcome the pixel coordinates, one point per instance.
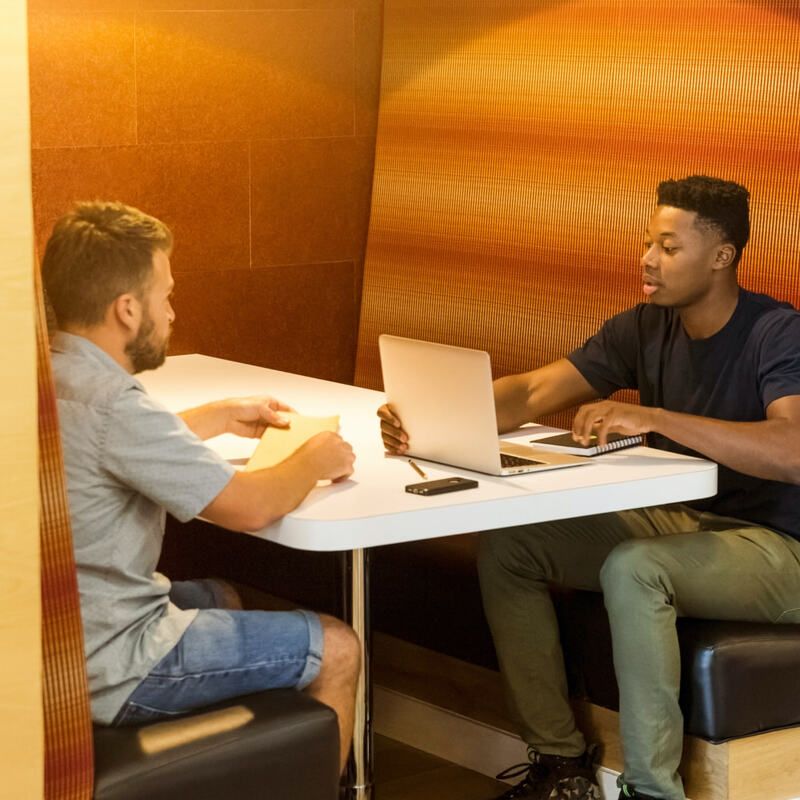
(761, 767)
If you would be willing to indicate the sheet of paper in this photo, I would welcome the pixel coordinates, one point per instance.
(279, 443)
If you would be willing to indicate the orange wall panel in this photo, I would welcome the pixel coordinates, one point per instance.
(86, 63)
(248, 126)
(297, 318)
(201, 190)
(320, 186)
(233, 75)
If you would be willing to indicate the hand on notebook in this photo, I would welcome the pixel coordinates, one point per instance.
(608, 416)
(251, 416)
(395, 439)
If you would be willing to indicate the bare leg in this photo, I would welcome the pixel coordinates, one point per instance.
(336, 683)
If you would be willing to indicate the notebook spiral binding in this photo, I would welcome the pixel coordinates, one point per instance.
(628, 441)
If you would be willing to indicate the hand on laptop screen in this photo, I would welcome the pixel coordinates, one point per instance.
(395, 439)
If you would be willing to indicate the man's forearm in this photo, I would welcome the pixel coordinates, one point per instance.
(528, 396)
(206, 421)
(766, 449)
(253, 500)
(510, 401)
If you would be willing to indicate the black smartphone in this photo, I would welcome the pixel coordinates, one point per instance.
(441, 486)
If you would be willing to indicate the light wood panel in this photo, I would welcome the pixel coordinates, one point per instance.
(470, 690)
(766, 766)
(405, 773)
(21, 727)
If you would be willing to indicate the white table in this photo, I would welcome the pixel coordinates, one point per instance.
(373, 509)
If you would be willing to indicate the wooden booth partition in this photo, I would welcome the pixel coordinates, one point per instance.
(519, 146)
(21, 720)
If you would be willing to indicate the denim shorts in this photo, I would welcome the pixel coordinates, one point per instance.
(225, 654)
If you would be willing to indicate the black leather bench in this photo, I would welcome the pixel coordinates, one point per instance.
(280, 744)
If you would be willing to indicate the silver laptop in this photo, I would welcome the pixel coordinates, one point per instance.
(444, 397)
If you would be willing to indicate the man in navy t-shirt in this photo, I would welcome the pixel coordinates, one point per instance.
(718, 372)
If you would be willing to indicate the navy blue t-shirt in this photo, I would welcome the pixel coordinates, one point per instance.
(733, 375)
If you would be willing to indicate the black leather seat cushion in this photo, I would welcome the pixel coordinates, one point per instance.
(280, 744)
(737, 678)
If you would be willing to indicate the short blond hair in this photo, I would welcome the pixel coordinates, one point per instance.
(97, 252)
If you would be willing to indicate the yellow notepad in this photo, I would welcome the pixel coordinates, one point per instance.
(278, 444)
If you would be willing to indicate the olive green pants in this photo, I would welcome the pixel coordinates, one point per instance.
(652, 565)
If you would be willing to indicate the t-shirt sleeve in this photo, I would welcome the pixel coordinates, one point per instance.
(608, 359)
(779, 363)
(152, 450)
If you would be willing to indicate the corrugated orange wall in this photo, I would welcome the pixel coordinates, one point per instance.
(518, 150)
(248, 126)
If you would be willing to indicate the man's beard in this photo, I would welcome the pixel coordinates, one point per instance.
(143, 351)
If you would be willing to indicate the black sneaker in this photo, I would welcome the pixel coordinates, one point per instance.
(550, 777)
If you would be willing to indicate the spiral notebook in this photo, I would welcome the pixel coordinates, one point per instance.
(564, 443)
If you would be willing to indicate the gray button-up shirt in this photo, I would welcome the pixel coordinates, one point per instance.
(127, 460)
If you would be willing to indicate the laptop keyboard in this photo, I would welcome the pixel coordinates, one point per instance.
(515, 461)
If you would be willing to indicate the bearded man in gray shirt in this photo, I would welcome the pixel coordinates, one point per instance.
(156, 649)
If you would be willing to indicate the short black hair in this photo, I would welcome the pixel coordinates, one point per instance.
(722, 205)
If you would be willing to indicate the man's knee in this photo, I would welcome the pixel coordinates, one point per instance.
(341, 654)
(510, 550)
(631, 565)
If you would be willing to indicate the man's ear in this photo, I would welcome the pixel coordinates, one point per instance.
(726, 253)
(126, 311)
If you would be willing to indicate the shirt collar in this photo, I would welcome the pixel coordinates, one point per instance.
(70, 343)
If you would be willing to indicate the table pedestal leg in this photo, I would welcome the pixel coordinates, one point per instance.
(358, 775)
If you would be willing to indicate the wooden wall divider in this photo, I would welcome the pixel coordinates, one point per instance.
(21, 724)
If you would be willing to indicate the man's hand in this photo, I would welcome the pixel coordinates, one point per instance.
(395, 439)
(244, 416)
(331, 457)
(608, 416)
(251, 416)
(253, 500)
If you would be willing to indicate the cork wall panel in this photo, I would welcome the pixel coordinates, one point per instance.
(130, 6)
(369, 46)
(246, 125)
(79, 6)
(241, 5)
(86, 61)
(296, 318)
(518, 150)
(207, 76)
(324, 182)
(62, 176)
(181, 184)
